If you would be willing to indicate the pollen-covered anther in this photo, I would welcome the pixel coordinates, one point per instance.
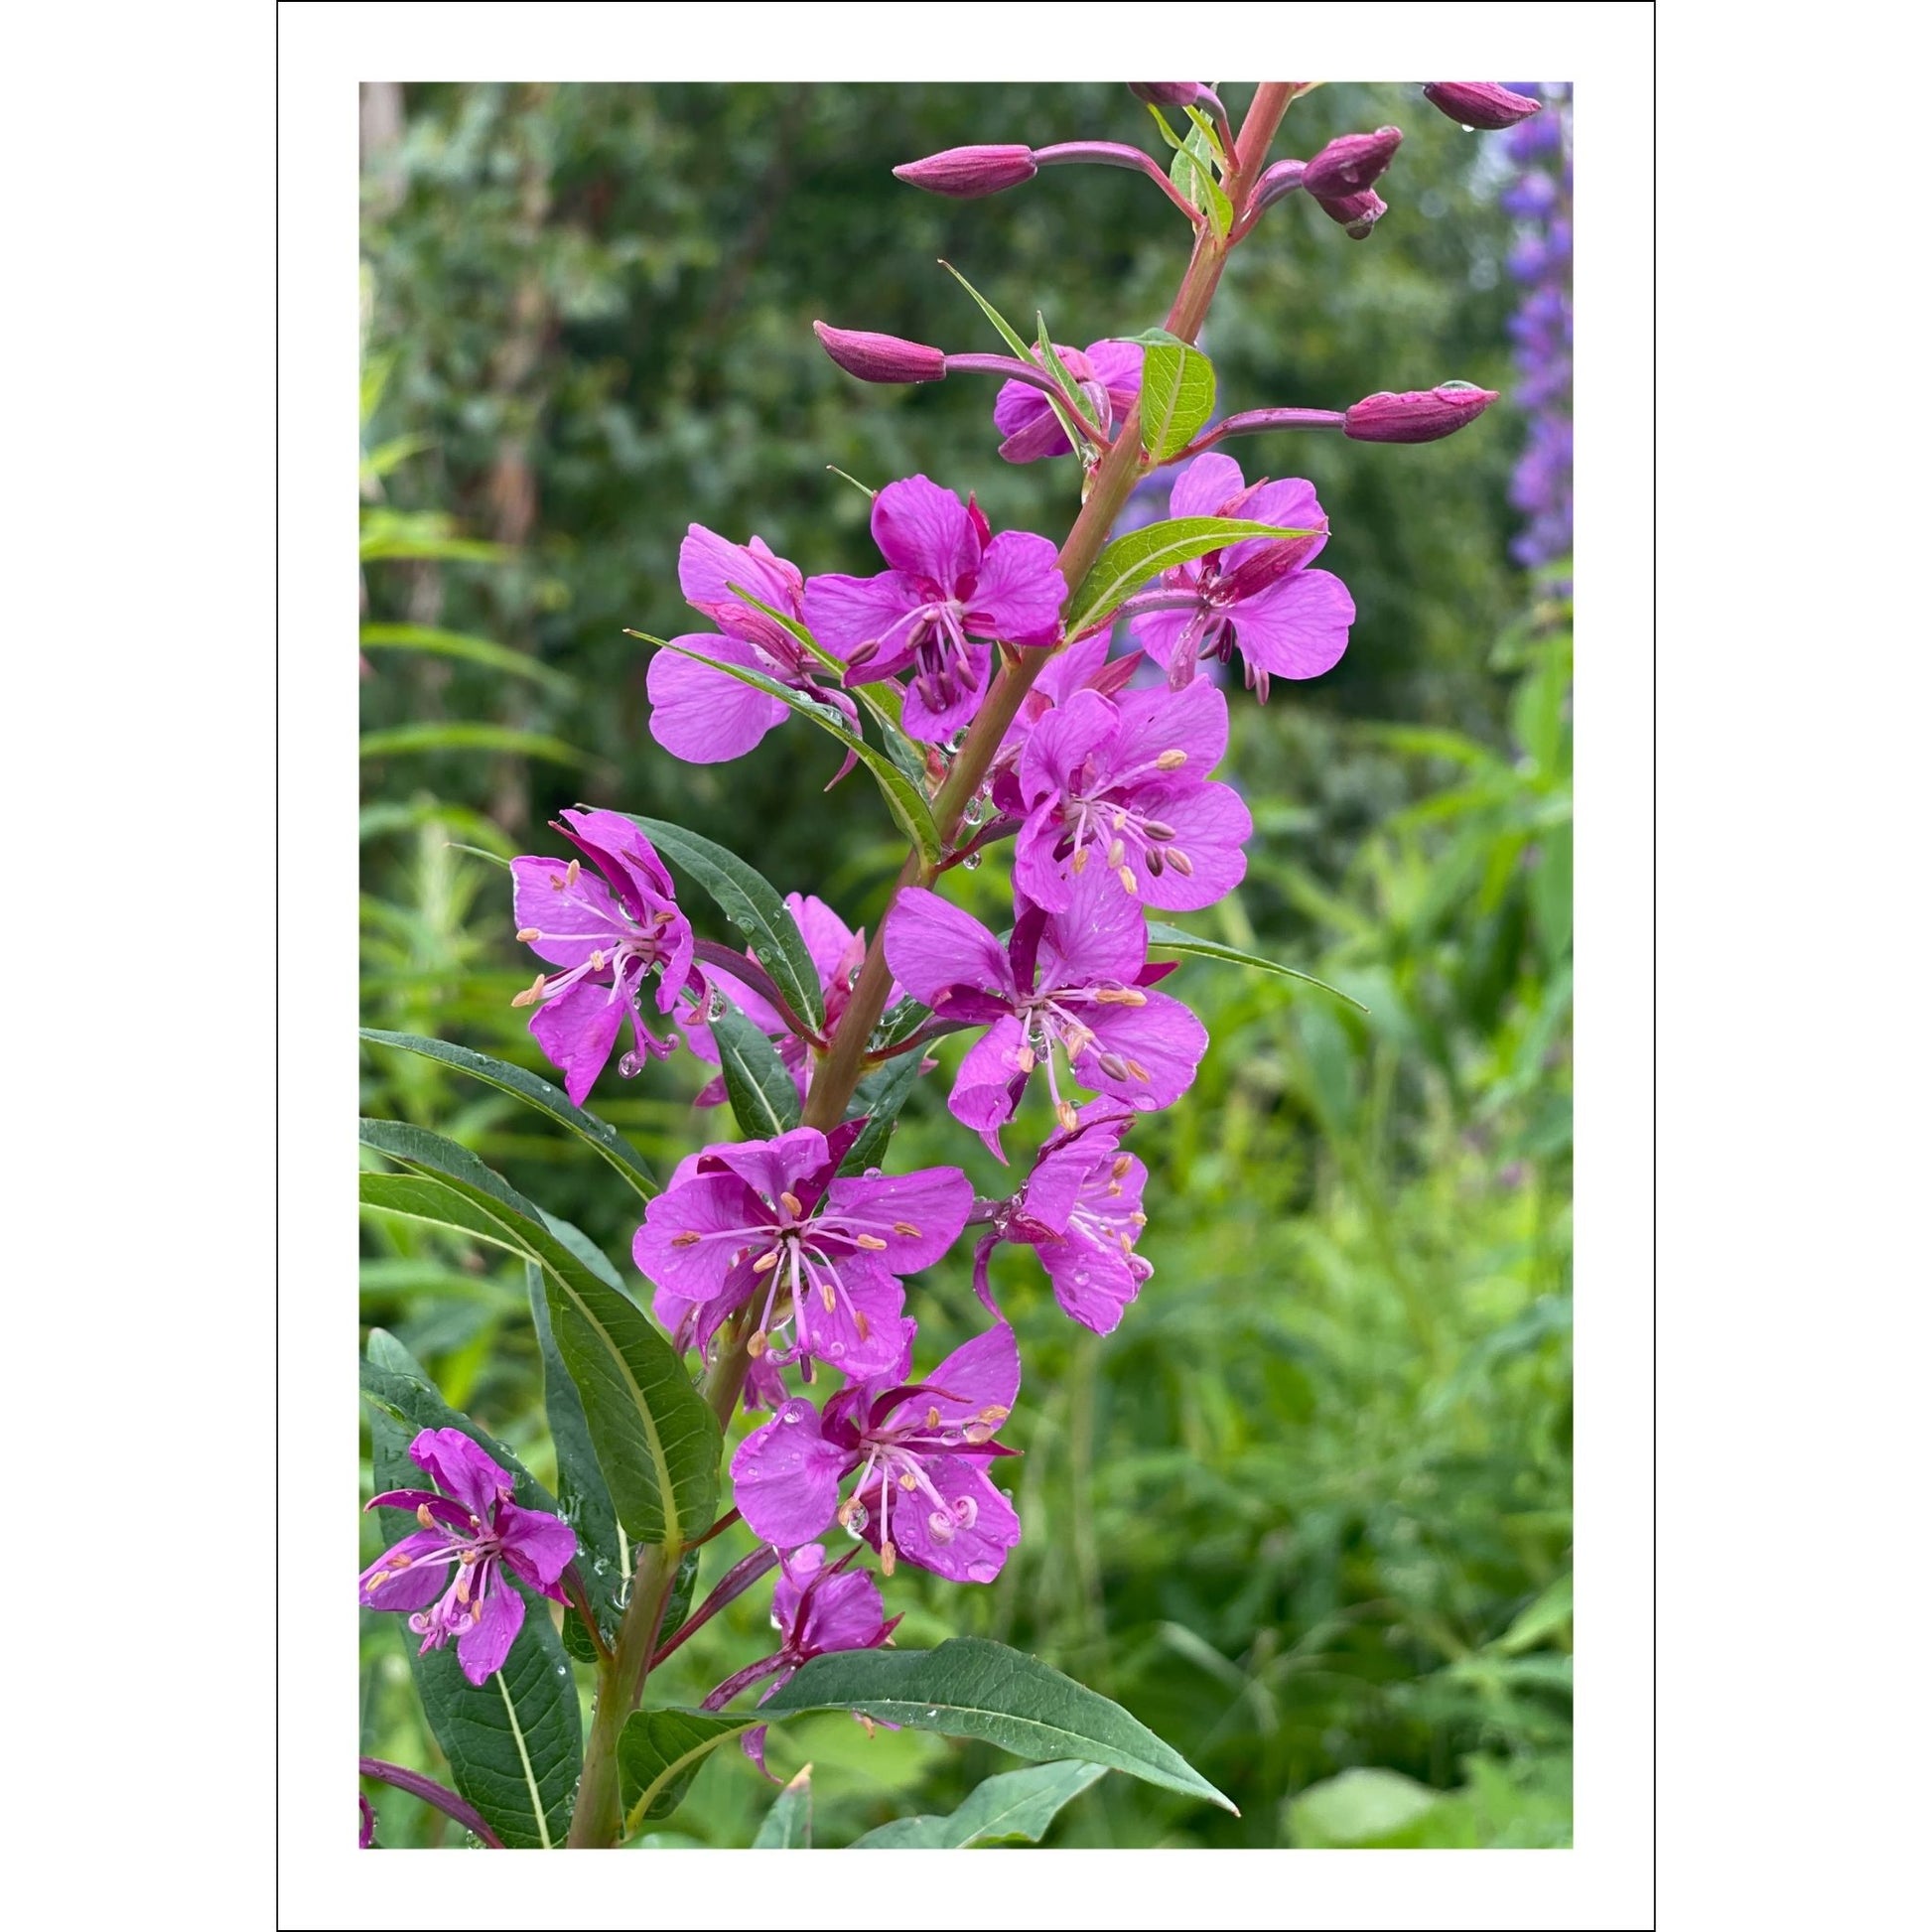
(425, 1518)
(847, 1510)
(1116, 853)
(906, 1228)
(1138, 1071)
(871, 1241)
(932, 1415)
(1068, 1117)
(598, 958)
(1080, 860)
(1181, 862)
(1128, 882)
(1138, 1218)
(758, 1345)
(572, 872)
(1120, 996)
(1157, 829)
(789, 1202)
(765, 1261)
(888, 1558)
(828, 1296)
(1170, 760)
(907, 1480)
(530, 995)
(1113, 1067)
(1025, 1058)
(664, 916)
(1122, 1161)
(860, 1323)
(688, 1239)
(526, 933)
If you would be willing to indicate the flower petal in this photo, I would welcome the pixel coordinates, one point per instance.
(1158, 631)
(708, 565)
(1193, 720)
(1100, 938)
(1091, 1283)
(701, 716)
(786, 1477)
(1061, 742)
(536, 1545)
(933, 1203)
(933, 726)
(979, 1374)
(865, 1331)
(720, 1212)
(828, 938)
(1297, 628)
(1290, 504)
(984, 1093)
(933, 947)
(924, 531)
(1204, 485)
(843, 1613)
(973, 1555)
(577, 1030)
(1211, 825)
(481, 1648)
(417, 1584)
(574, 918)
(1164, 1038)
(1020, 591)
(462, 1470)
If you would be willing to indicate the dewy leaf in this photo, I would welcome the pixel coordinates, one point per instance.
(1177, 394)
(533, 1091)
(1174, 939)
(788, 1825)
(746, 898)
(459, 737)
(659, 1752)
(655, 1437)
(1017, 1804)
(516, 1741)
(763, 1094)
(906, 801)
(882, 1097)
(1141, 555)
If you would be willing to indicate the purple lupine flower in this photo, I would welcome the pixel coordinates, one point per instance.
(952, 590)
(825, 1251)
(1125, 780)
(703, 716)
(606, 933)
(1289, 621)
(467, 1520)
(815, 1610)
(1080, 1211)
(921, 1449)
(1109, 375)
(1072, 981)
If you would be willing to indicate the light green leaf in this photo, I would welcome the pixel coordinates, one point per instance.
(660, 1751)
(1017, 1804)
(1008, 333)
(471, 737)
(1362, 1807)
(475, 651)
(1192, 173)
(788, 1825)
(1049, 359)
(1174, 939)
(1141, 555)
(1545, 1618)
(534, 1092)
(1177, 393)
(763, 1094)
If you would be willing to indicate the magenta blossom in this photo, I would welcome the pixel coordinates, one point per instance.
(921, 1449)
(1124, 781)
(814, 1609)
(952, 590)
(467, 1520)
(826, 1252)
(1289, 621)
(1082, 666)
(703, 716)
(1109, 375)
(608, 933)
(1072, 981)
(1080, 1211)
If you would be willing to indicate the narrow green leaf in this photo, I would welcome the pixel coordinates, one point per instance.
(534, 1092)
(1016, 1804)
(471, 737)
(903, 800)
(660, 1751)
(1049, 359)
(797, 630)
(1174, 939)
(788, 1825)
(655, 1437)
(763, 1094)
(1177, 396)
(1008, 333)
(1192, 173)
(1161, 121)
(885, 707)
(396, 815)
(871, 495)
(750, 901)
(882, 1097)
(475, 651)
(1141, 555)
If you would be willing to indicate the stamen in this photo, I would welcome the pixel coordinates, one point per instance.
(1128, 881)
(1113, 1067)
(1170, 760)
(570, 873)
(906, 1228)
(1025, 1058)
(597, 959)
(1116, 853)
(907, 1480)
(871, 1241)
(526, 933)
(828, 1296)
(1138, 1218)
(888, 1558)
(932, 1415)
(788, 1201)
(688, 1239)
(1119, 996)
(425, 1518)
(1155, 829)
(1068, 1117)
(860, 1323)
(1138, 1071)
(1122, 1161)
(555, 881)
(1181, 864)
(758, 1345)
(765, 1261)
(530, 995)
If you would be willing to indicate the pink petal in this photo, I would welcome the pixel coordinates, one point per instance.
(933, 947)
(1204, 485)
(577, 1030)
(849, 615)
(575, 919)
(1297, 628)
(1162, 1036)
(981, 1095)
(786, 1477)
(537, 1544)
(1193, 720)
(1101, 937)
(701, 716)
(933, 1201)
(461, 1469)
(1020, 591)
(972, 1555)
(707, 566)
(711, 1205)
(924, 531)
(415, 1588)
(979, 1374)
(481, 1648)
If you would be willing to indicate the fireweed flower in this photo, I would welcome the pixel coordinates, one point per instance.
(1072, 982)
(814, 1609)
(952, 589)
(772, 1219)
(1289, 621)
(1109, 375)
(467, 1520)
(1480, 103)
(1122, 786)
(921, 1449)
(1080, 1211)
(608, 933)
(703, 716)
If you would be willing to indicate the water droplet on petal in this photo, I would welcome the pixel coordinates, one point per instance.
(981, 1573)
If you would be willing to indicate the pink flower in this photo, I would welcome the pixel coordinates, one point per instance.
(1109, 375)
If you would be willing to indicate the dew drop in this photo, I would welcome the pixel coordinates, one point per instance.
(860, 1516)
(714, 1006)
(852, 978)
(630, 1067)
(981, 1573)
(972, 861)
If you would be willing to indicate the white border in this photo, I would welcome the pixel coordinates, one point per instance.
(325, 51)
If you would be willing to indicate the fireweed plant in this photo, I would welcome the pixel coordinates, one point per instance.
(974, 675)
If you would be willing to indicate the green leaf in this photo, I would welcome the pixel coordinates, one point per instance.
(660, 1751)
(516, 1741)
(751, 903)
(906, 801)
(1174, 939)
(534, 1092)
(1177, 393)
(471, 737)
(1548, 1614)
(971, 1687)
(1049, 359)
(788, 1825)
(799, 635)
(1017, 1804)
(1141, 555)
(763, 1094)
(475, 651)
(885, 704)
(655, 1437)
(1362, 1807)
(1192, 173)
(1008, 333)
(882, 1096)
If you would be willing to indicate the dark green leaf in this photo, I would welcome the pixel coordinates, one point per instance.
(533, 1091)
(882, 1096)
(1174, 939)
(746, 898)
(1141, 555)
(1176, 396)
(1016, 1804)
(788, 1825)
(659, 1752)
(763, 1094)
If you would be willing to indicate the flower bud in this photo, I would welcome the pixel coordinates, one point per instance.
(1416, 415)
(1351, 163)
(880, 358)
(1357, 213)
(1171, 93)
(1284, 177)
(967, 173)
(1480, 103)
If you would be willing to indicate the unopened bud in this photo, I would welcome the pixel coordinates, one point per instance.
(1171, 93)
(1357, 213)
(1416, 415)
(1351, 163)
(1284, 177)
(967, 173)
(1268, 564)
(1480, 103)
(880, 358)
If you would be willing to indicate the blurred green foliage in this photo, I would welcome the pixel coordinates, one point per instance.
(1307, 1513)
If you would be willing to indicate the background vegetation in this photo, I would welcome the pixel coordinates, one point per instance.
(1308, 1512)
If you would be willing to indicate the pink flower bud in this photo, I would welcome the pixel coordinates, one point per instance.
(1284, 177)
(880, 358)
(1357, 213)
(1416, 415)
(1480, 103)
(967, 173)
(1351, 164)
(1171, 93)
